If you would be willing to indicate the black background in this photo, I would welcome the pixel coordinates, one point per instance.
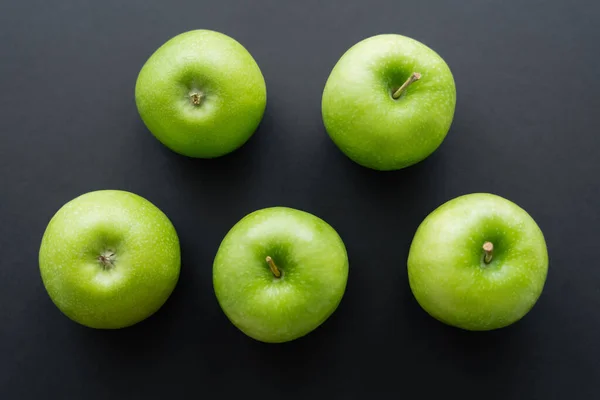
(526, 127)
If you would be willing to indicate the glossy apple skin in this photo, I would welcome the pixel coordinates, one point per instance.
(314, 265)
(447, 272)
(145, 266)
(212, 64)
(367, 123)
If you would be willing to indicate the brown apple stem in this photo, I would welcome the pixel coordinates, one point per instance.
(276, 272)
(488, 248)
(196, 98)
(415, 76)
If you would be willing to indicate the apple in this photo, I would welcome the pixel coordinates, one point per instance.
(389, 102)
(478, 262)
(279, 273)
(109, 259)
(201, 94)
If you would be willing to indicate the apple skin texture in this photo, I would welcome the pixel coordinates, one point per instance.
(447, 272)
(144, 269)
(367, 123)
(231, 85)
(314, 265)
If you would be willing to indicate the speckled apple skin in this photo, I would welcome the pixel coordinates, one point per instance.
(233, 90)
(145, 266)
(367, 123)
(313, 261)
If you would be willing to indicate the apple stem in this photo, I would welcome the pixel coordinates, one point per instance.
(276, 272)
(415, 76)
(196, 98)
(488, 248)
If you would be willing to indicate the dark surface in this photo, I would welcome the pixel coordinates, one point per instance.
(526, 128)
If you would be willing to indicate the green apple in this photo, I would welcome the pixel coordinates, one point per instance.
(478, 262)
(279, 273)
(201, 94)
(389, 102)
(109, 259)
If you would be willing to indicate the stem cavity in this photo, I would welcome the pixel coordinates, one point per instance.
(488, 249)
(276, 272)
(415, 76)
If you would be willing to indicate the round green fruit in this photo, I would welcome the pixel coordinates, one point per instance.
(389, 102)
(109, 259)
(478, 262)
(201, 94)
(280, 273)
